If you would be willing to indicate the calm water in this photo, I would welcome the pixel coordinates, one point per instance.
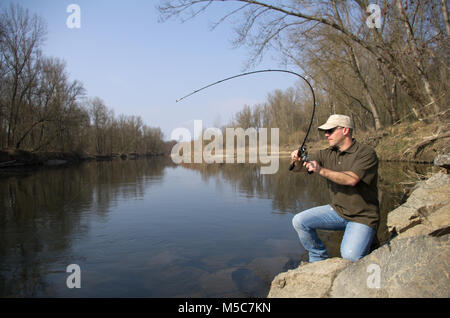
(148, 228)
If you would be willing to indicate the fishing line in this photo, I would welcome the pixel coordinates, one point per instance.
(302, 153)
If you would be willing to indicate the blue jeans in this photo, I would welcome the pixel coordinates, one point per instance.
(355, 243)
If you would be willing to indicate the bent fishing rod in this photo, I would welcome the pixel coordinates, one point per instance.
(302, 153)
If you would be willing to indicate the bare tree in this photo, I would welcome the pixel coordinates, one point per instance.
(20, 40)
(101, 120)
(416, 54)
(266, 24)
(51, 102)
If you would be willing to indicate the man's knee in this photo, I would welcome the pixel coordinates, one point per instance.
(356, 242)
(351, 255)
(297, 221)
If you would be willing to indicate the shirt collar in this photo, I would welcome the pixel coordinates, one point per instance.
(353, 147)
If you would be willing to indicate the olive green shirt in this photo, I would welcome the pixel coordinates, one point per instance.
(357, 203)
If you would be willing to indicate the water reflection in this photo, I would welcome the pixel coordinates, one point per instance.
(147, 228)
(295, 192)
(41, 214)
(290, 192)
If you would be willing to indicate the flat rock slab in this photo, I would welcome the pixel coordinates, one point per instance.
(308, 280)
(410, 267)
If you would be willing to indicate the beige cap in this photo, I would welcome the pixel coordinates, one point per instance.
(337, 121)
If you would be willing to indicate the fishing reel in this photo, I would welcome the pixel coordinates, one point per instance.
(303, 154)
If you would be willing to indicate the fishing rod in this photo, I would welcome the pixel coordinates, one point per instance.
(302, 153)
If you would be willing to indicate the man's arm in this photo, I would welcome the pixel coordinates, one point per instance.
(347, 178)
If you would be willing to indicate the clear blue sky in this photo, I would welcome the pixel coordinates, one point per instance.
(139, 66)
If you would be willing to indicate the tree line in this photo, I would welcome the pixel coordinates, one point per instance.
(289, 110)
(380, 75)
(42, 109)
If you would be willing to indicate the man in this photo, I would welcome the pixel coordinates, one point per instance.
(351, 170)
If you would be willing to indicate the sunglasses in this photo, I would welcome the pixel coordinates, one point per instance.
(331, 131)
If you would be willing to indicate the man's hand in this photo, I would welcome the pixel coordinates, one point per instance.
(312, 166)
(296, 161)
(294, 156)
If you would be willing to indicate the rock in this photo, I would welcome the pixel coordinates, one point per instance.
(308, 280)
(426, 210)
(409, 267)
(442, 161)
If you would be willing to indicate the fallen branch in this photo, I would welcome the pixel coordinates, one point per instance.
(425, 142)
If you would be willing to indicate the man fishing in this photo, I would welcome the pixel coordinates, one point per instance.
(351, 170)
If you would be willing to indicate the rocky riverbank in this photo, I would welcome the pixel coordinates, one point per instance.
(414, 263)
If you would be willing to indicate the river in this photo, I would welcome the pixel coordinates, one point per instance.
(150, 228)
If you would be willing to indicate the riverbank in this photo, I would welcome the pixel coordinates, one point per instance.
(22, 159)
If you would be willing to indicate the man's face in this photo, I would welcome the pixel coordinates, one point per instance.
(335, 136)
